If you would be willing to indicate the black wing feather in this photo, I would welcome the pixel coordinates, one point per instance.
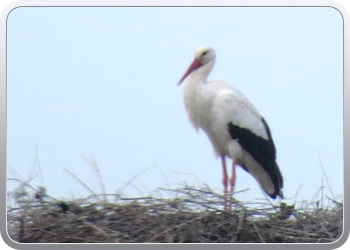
(262, 150)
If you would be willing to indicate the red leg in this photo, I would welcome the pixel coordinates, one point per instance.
(232, 182)
(224, 180)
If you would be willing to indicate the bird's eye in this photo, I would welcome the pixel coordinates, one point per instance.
(204, 53)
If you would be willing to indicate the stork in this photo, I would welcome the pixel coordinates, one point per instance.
(234, 126)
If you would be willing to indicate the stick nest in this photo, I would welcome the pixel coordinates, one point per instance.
(194, 216)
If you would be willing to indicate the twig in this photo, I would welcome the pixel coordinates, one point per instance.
(82, 183)
(94, 165)
(134, 177)
(174, 227)
(325, 176)
(295, 231)
(98, 229)
(336, 202)
(257, 231)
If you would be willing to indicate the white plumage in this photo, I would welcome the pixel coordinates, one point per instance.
(233, 125)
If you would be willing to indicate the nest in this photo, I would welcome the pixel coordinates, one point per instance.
(194, 216)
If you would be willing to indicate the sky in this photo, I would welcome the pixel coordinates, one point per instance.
(101, 83)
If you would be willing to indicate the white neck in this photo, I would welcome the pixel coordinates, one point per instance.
(201, 74)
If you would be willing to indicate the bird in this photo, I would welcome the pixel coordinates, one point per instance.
(233, 125)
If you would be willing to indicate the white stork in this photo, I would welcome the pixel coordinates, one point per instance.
(233, 125)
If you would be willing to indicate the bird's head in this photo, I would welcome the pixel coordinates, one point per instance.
(203, 55)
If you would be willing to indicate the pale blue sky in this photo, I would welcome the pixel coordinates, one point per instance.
(102, 81)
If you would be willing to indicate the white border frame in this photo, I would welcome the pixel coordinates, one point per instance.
(246, 3)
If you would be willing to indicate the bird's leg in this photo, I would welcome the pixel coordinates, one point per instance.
(232, 182)
(224, 180)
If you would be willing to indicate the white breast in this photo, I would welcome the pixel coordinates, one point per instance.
(211, 106)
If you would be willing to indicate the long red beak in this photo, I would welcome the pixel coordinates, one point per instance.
(194, 65)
